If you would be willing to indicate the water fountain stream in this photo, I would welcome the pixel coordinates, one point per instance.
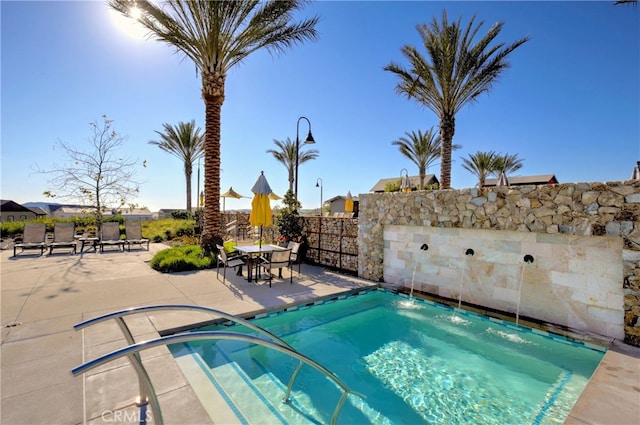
(468, 253)
(409, 303)
(528, 259)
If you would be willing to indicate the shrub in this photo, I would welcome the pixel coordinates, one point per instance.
(180, 259)
(10, 229)
(166, 229)
(289, 224)
(182, 215)
(393, 186)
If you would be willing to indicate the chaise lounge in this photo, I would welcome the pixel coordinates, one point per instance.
(33, 237)
(110, 235)
(133, 232)
(64, 237)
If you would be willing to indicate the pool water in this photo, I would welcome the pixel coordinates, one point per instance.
(415, 361)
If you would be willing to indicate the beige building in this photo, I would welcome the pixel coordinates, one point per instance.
(12, 211)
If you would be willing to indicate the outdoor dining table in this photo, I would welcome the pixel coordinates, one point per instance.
(253, 253)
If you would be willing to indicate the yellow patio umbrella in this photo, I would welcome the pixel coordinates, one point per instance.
(260, 205)
(230, 194)
(348, 203)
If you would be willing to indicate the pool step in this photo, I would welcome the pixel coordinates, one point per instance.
(230, 396)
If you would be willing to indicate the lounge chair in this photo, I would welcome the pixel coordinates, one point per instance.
(133, 232)
(236, 261)
(33, 237)
(64, 237)
(110, 235)
(277, 260)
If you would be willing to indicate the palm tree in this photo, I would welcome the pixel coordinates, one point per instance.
(421, 149)
(458, 72)
(506, 164)
(481, 164)
(186, 143)
(287, 156)
(216, 36)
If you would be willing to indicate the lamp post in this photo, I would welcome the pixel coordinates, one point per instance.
(308, 141)
(320, 186)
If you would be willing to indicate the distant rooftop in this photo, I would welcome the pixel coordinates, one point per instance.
(525, 180)
(415, 182)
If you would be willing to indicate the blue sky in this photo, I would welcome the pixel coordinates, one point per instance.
(569, 104)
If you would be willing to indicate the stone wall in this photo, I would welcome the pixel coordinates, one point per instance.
(608, 210)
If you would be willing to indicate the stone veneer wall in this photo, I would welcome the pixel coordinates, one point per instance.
(557, 214)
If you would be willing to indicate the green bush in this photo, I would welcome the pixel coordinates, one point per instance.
(167, 229)
(180, 259)
(393, 186)
(11, 229)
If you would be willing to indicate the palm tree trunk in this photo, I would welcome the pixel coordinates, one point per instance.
(213, 94)
(188, 171)
(447, 129)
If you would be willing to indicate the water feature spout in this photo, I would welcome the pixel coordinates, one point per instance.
(424, 247)
(528, 259)
(469, 252)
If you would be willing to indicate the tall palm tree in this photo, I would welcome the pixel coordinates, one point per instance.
(216, 36)
(286, 154)
(506, 164)
(480, 164)
(458, 71)
(423, 149)
(185, 142)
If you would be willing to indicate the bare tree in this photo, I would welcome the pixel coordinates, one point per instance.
(96, 177)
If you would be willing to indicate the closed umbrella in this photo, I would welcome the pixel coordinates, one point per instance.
(636, 172)
(406, 184)
(260, 205)
(348, 203)
(230, 194)
(502, 180)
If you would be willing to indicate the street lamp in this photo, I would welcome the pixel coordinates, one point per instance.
(320, 186)
(308, 141)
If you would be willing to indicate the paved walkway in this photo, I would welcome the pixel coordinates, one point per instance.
(42, 297)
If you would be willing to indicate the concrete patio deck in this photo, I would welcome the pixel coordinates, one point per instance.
(43, 297)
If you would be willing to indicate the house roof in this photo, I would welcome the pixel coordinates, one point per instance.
(7, 205)
(524, 180)
(340, 198)
(38, 210)
(415, 181)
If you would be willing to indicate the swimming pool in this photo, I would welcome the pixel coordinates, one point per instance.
(415, 361)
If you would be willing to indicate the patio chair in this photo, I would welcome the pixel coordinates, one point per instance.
(110, 235)
(33, 237)
(236, 261)
(133, 233)
(296, 255)
(277, 260)
(64, 237)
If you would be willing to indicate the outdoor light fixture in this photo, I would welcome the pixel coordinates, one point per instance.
(405, 183)
(308, 141)
(319, 184)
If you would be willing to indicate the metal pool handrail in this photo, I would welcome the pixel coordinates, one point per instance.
(147, 392)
